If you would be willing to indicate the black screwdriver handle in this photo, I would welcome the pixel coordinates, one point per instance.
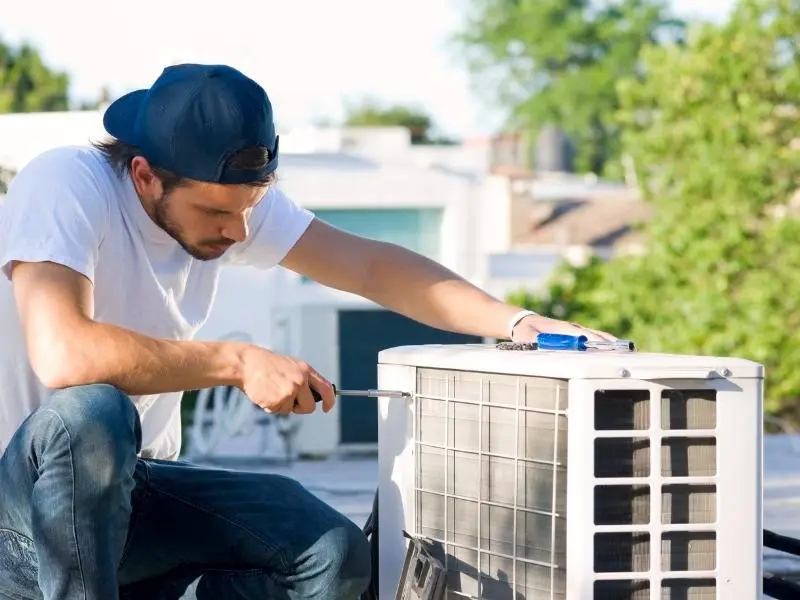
(318, 396)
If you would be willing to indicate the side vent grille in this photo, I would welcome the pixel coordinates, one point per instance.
(655, 493)
(491, 481)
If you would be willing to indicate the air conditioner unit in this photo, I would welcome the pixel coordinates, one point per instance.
(573, 475)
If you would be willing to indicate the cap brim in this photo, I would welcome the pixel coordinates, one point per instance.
(120, 117)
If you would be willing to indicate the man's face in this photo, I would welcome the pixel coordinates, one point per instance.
(204, 218)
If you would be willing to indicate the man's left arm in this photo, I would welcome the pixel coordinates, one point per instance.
(412, 285)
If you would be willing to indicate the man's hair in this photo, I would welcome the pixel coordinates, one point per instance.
(120, 155)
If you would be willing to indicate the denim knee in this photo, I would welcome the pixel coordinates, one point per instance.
(345, 556)
(98, 422)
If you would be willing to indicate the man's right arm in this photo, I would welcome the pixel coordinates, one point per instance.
(66, 347)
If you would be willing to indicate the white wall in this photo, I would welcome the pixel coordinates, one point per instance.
(495, 215)
(245, 300)
(25, 135)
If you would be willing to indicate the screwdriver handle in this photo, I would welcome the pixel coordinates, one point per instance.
(318, 396)
(560, 341)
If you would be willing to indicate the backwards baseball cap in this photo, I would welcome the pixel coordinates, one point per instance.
(193, 119)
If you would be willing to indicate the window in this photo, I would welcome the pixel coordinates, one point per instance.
(418, 229)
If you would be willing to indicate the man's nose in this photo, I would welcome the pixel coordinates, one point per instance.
(236, 229)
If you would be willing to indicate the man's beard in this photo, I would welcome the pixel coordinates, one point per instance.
(163, 218)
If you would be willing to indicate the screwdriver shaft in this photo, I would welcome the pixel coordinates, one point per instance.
(373, 393)
(364, 393)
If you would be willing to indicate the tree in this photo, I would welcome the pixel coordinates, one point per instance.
(6, 175)
(27, 85)
(556, 62)
(371, 113)
(714, 133)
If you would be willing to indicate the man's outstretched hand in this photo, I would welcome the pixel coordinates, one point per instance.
(532, 325)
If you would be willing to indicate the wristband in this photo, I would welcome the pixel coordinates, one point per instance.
(516, 319)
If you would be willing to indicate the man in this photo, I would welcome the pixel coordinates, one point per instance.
(112, 253)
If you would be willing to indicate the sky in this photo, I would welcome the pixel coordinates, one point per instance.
(310, 55)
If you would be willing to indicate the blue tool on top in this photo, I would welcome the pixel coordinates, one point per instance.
(562, 341)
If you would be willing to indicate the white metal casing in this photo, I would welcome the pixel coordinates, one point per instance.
(738, 442)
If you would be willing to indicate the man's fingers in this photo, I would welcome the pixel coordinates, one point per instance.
(593, 334)
(305, 402)
(286, 407)
(601, 335)
(323, 388)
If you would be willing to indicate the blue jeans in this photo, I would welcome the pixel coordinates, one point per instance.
(82, 518)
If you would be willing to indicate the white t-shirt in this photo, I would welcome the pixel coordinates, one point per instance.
(68, 206)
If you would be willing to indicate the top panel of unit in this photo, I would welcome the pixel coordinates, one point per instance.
(563, 364)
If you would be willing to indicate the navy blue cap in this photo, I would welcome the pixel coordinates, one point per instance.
(193, 119)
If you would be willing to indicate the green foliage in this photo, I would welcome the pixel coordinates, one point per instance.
(371, 113)
(576, 293)
(557, 62)
(714, 132)
(27, 85)
(6, 175)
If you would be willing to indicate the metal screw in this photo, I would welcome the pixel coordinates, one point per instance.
(624, 373)
(726, 372)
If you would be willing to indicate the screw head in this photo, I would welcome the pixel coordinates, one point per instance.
(726, 372)
(624, 373)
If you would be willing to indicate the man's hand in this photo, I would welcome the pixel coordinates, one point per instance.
(532, 325)
(282, 384)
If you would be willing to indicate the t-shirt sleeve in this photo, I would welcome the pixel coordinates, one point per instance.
(276, 224)
(54, 211)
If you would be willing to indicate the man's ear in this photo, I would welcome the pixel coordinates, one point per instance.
(146, 182)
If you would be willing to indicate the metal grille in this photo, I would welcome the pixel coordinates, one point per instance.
(490, 487)
(655, 497)
(491, 481)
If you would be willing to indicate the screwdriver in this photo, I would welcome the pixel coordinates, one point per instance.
(364, 393)
(372, 393)
(562, 341)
